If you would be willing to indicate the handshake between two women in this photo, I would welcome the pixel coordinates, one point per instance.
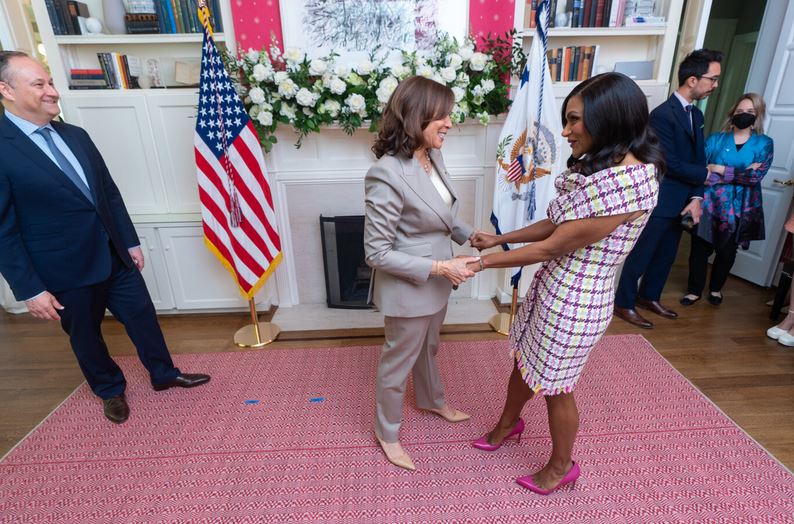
(461, 268)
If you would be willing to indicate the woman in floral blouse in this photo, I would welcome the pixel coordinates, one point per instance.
(738, 158)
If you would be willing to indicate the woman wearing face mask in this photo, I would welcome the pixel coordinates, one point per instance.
(738, 158)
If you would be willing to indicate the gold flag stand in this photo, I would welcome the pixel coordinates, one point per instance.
(257, 334)
(501, 322)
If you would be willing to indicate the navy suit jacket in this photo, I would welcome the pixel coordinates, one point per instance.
(685, 155)
(52, 238)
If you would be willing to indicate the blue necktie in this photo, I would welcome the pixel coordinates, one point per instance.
(688, 109)
(64, 163)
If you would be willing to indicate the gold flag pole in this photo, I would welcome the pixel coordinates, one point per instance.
(257, 334)
(501, 322)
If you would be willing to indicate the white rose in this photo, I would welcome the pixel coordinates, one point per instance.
(293, 56)
(342, 70)
(400, 71)
(365, 67)
(257, 95)
(448, 74)
(455, 61)
(288, 111)
(357, 104)
(477, 91)
(466, 52)
(487, 85)
(265, 118)
(332, 107)
(317, 67)
(305, 97)
(458, 92)
(280, 77)
(478, 61)
(337, 86)
(252, 55)
(259, 72)
(287, 88)
(425, 71)
(254, 111)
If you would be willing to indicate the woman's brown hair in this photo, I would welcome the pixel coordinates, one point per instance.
(415, 103)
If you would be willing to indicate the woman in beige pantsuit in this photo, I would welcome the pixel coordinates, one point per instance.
(410, 221)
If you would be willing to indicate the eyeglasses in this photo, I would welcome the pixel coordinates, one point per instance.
(714, 79)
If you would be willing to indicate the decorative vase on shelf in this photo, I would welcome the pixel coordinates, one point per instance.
(113, 12)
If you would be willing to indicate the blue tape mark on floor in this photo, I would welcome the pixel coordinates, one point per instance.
(316, 399)
(251, 402)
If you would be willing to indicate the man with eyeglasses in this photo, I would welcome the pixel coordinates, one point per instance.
(679, 126)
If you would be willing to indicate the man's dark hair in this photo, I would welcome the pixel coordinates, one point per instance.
(5, 61)
(697, 64)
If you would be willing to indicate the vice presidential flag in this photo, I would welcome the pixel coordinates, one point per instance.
(528, 153)
(237, 210)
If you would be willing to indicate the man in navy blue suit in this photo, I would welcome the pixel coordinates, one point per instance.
(679, 126)
(67, 245)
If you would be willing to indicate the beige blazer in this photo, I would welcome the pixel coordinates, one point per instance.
(406, 226)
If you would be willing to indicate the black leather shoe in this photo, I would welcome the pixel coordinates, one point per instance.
(116, 409)
(185, 380)
(686, 301)
(715, 300)
(632, 317)
(656, 307)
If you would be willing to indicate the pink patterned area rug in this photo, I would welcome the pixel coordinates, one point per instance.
(285, 436)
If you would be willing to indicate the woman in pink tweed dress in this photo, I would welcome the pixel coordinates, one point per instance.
(603, 203)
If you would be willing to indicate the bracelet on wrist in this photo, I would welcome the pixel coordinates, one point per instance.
(481, 266)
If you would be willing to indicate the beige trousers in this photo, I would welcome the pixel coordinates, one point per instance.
(411, 344)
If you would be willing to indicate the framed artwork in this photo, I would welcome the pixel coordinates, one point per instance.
(354, 28)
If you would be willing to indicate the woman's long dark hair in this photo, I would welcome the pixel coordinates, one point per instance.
(616, 116)
(415, 103)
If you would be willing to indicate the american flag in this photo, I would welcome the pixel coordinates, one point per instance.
(237, 210)
(516, 170)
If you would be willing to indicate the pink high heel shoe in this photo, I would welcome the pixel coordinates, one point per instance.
(569, 478)
(482, 442)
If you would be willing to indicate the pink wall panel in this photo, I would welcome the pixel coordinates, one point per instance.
(255, 20)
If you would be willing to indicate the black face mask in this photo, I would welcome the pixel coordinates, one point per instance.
(743, 120)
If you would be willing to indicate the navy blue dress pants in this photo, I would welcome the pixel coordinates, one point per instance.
(124, 293)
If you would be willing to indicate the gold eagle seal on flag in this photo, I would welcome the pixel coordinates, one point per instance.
(528, 159)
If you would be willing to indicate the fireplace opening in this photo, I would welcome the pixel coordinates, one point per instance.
(347, 276)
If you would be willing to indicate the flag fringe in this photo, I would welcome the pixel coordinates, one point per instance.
(230, 268)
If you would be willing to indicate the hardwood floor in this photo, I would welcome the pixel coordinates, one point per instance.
(722, 350)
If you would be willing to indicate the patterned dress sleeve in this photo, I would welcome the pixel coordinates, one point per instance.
(612, 191)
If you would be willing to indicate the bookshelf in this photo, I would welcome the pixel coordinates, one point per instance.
(624, 43)
(67, 52)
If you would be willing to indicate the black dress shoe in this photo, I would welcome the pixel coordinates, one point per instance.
(715, 300)
(632, 317)
(185, 380)
(656, 307)
(686, 301)
(116, 409)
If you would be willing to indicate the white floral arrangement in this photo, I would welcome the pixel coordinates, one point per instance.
(289, 88)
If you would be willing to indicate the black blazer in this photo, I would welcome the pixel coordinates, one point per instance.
(685, 155)
(51, 236)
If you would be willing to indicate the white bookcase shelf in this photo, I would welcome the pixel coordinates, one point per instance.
(637, 42)
(151, 39)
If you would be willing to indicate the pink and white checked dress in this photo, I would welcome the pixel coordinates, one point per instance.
(570, 301)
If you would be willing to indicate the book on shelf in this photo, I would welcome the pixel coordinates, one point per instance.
(588, 13)
(119, 70)
(67, 17)
(572, 63)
